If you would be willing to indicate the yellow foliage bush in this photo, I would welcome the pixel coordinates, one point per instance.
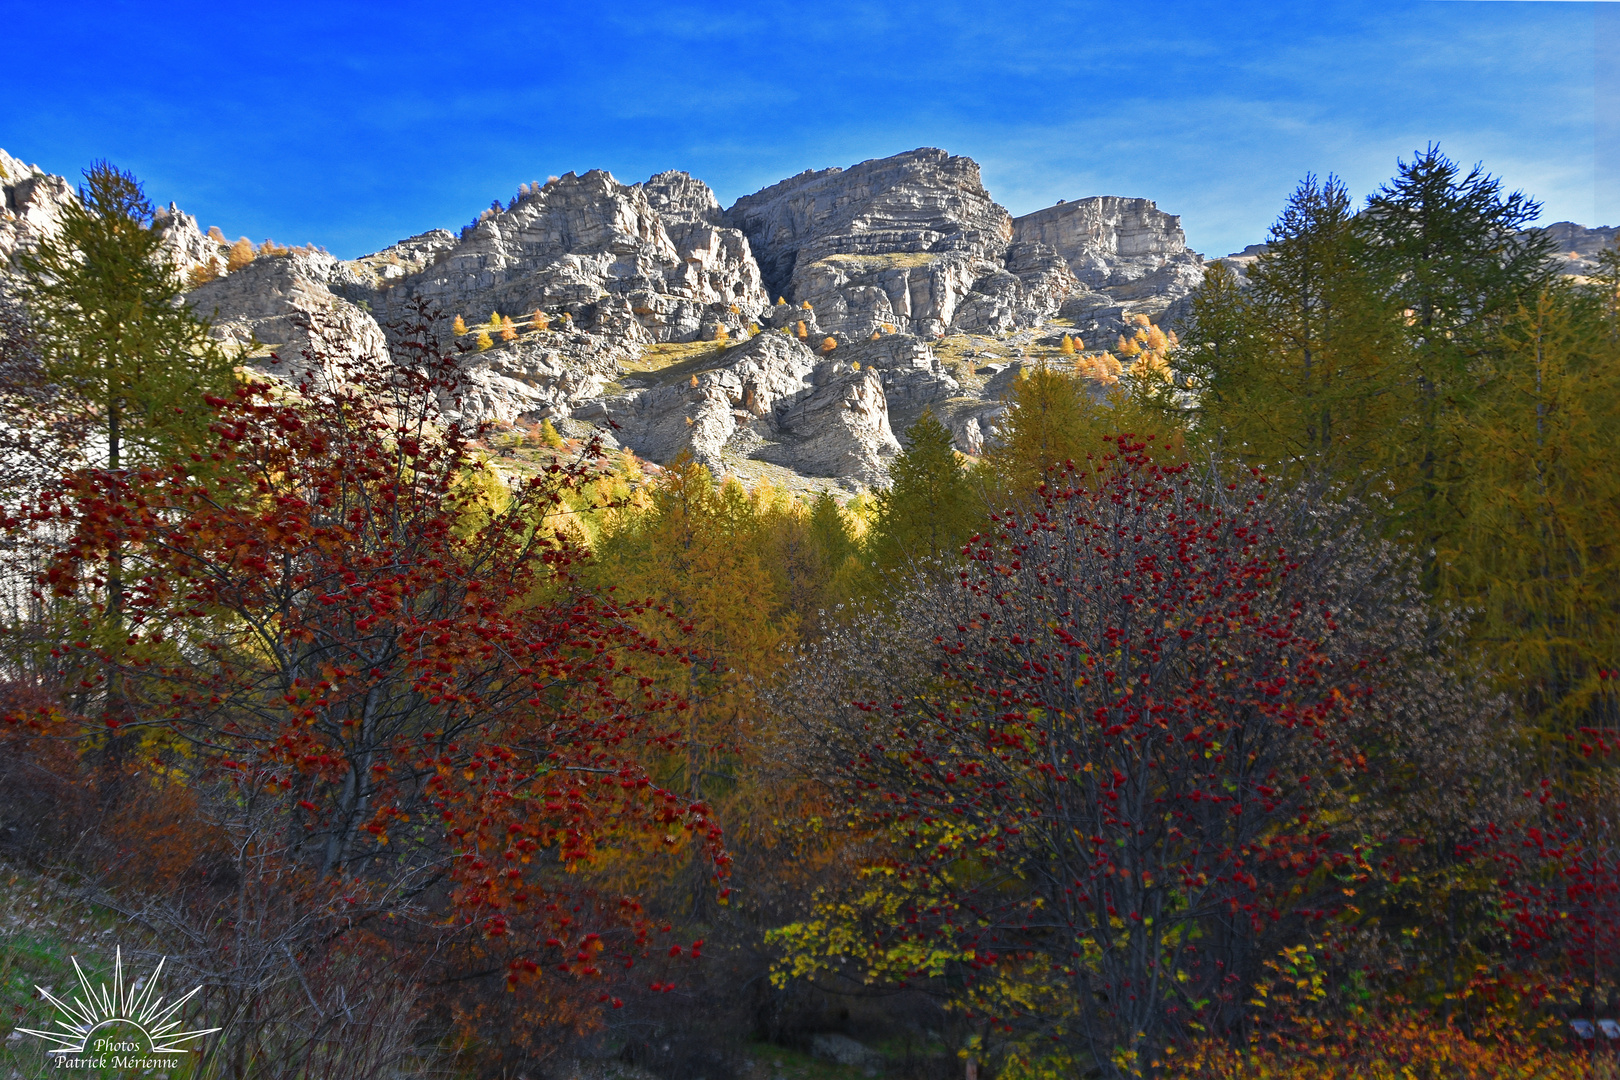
(1368, 1047)
(241, 254)
(203, 273)
(458, 327)
(484, 340)
(803, 331)
(1067, 348)
(828, 344)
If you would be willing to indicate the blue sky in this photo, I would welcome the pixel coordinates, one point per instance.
(351, 125)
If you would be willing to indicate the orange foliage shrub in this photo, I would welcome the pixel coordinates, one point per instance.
(1373, 1046)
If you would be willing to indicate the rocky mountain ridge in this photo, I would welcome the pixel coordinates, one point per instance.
(647, 309)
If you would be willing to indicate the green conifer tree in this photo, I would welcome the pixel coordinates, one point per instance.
(101, 296)
(930, 508)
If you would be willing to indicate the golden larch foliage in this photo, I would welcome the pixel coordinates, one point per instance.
(538, 320)
(458, 327)
(803, 330)
(484, 340)
(828, 344)
(241, 254)
(1067, 348)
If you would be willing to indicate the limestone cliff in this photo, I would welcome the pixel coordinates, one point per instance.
(875, 265)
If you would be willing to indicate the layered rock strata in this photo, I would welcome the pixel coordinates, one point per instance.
(872, 264)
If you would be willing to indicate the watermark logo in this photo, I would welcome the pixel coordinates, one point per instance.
(118, 1025)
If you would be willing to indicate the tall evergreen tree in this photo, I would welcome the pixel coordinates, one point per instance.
(1301, 370)
(930, 508)
(123, 351)
(101, 295)
(1452, 253)
(1536, 553)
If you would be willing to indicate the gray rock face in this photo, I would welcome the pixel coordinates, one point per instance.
(599, 250)
(31, 203)
(898, 241)
(1123, 252)
(915, 242)
(186, 246)
(841, 428)
(1578, 247)
(882, 257)
(284, 302)
(770, 398)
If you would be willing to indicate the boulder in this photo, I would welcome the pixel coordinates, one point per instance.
(843, 1050)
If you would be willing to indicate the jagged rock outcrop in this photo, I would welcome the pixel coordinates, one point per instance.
(882, 258)
(898, 241)
(769, 397)
(599, 250)
(1576, 247)
(284, 304)
(186, 246)
(31, 205)
(915, 242)
(841, 428)
(1127, 254)
(1113, 243)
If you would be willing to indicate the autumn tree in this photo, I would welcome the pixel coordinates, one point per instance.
(395, 665)
(240, 255)
(1451, 252)
(1534, 549)
(1121, 760)
(117, 348)
(458, 327)
(100, 295)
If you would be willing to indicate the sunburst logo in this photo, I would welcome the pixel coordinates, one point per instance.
(117, 1024)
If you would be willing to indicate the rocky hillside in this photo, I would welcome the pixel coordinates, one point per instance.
(796, 334)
